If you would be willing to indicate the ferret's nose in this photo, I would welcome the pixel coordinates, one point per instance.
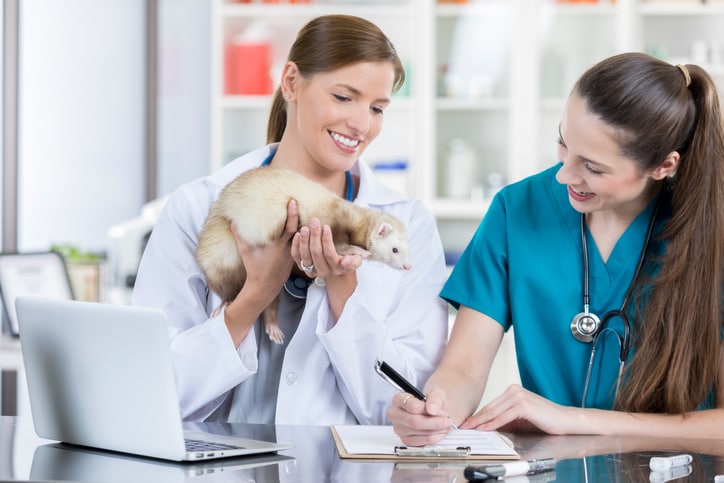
(406, 266)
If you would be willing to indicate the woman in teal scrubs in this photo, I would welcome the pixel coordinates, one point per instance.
(630, 220)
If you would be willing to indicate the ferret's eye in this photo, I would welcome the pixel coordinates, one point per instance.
(395, 250)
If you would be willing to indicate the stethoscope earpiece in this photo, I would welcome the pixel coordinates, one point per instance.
(585, 326)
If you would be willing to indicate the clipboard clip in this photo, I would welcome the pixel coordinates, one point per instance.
(428, 451)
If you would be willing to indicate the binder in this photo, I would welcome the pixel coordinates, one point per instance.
(381, 443)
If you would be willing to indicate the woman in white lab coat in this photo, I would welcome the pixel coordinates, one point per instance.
(337, 82)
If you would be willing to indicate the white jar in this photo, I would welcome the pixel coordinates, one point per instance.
(460, 169)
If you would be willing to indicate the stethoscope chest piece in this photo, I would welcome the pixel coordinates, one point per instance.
(585, 326)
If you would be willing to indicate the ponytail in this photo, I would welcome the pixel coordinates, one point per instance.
(277, 118)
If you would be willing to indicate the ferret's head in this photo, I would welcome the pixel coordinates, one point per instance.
(389, 245)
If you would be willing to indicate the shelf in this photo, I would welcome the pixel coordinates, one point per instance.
(245, 102)
(670, 9)
(546, 46)
(472, 9)
(10, 353)
(459, 209)
(553, 104)
(504, 7)
(583, 9)
(253, 10)
(463, 104)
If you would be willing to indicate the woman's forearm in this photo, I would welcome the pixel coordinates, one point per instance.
(697, 424)
(463, 394)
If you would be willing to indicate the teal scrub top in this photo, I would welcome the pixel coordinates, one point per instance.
(524, 267)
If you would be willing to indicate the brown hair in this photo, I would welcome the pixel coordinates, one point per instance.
(330, 42)
(677, 332)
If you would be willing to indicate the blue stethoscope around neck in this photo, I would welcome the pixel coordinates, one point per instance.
(588, 327)
(296, 286)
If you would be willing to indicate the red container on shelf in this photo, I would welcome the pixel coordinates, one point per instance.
(247, 69)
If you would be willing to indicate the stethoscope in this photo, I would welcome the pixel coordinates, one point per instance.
(588, 327)
(296, 286)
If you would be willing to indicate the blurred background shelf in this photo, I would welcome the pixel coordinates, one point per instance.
(493, 75)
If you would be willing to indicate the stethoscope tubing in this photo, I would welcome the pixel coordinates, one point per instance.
(625, 341)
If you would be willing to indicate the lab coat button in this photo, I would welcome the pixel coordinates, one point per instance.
(292, 378)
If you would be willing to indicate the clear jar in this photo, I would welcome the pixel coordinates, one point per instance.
(460, 169)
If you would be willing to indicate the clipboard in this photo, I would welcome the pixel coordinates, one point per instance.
(367, 442)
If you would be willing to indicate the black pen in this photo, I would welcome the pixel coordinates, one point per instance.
(402, 384)
(396, 379)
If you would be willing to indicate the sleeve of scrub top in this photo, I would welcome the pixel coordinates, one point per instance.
(480, 277)
(393, 314)
(170, 279)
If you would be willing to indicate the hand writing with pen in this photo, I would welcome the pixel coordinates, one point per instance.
(413, 401)
(406, 410)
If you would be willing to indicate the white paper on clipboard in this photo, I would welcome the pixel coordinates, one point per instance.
(380, 442)
(42, 274)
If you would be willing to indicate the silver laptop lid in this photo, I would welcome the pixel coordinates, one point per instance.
(100, 375)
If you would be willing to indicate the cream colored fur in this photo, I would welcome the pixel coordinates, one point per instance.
(256, 201)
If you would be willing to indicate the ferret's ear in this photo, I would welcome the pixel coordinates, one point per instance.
(384, 230)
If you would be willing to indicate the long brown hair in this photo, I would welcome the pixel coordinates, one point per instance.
(657, 108)
(330, 42)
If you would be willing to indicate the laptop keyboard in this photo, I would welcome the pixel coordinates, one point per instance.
(200, 445)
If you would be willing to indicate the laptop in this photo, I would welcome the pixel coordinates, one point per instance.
(100, 375)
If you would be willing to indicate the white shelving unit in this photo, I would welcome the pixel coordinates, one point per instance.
(510, 66)
(238, 123)
(515, 61)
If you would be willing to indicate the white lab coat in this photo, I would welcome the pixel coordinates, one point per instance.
(328, 374)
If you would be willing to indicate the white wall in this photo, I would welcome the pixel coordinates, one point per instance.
(81, 126)
(2, 125)
(183, 92)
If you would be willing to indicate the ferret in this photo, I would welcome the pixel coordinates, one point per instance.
(256, 202)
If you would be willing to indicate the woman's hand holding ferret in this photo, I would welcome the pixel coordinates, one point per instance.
(267, 268)
(313, 246)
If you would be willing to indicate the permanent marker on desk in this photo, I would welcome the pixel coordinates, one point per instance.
(514, 469)
(473, 473)
(477, 477)
(544, 477)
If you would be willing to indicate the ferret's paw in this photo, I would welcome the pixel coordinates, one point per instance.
(353, 250)
(275, 333)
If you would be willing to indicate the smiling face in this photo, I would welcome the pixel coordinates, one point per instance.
(333, 116)
(598, 176)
